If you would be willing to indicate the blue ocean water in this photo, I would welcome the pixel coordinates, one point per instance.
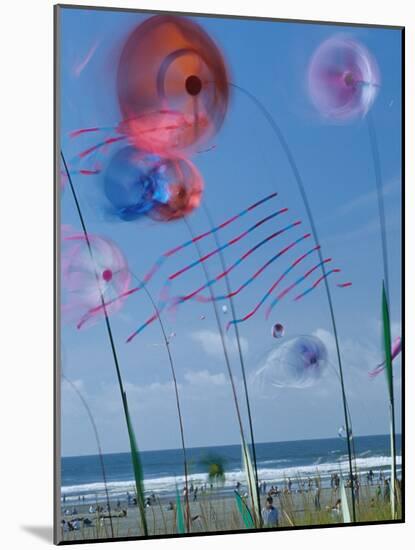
(82, 475)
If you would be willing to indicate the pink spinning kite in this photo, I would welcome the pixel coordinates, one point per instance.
(343, 79)
(91, 274)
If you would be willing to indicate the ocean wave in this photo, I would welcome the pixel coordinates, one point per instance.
(365, 453)
(167, 484)
(275, 461)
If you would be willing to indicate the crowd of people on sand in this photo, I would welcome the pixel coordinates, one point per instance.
(73, 521)
(312, 486)
(194, 491)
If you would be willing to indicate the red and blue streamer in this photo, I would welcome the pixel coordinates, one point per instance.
(269, 292)
(160, 261)
(211, 282)
(223, 274)
(251, 279)
(316, 283)
(227, 244)
(293, 285)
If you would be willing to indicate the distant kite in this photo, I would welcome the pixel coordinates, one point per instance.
(395, 351)
(277, 330)
(343, 79)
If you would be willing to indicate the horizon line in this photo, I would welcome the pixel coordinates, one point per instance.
(228, 445)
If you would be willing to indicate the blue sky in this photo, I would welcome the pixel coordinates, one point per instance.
(270, 60)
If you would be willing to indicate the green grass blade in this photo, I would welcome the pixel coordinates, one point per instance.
(389, 379)
(387, 343)
(345, 502)
(179, 514)
(249, 471)
(244, 511)
(137, 468)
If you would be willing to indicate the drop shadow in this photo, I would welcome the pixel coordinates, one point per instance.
(43, 532)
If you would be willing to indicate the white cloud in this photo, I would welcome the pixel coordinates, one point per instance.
(211, 343)
(369, 197)
(370, 227)
(205, 401)
(204, 377)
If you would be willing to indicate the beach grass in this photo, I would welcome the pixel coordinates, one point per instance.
(215, 512)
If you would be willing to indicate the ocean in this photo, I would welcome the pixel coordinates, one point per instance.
(82, 475)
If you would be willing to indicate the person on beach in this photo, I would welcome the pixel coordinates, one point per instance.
(356, 489)
(290, 484)
(317, 493)
(386, 491)
(336, 482)
(269, 514)
(274, 490)
(69, 526)
(195, 494)
(336, 509)
(378, 492)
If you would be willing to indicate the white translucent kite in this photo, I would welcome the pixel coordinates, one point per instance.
(296, 363)
(343, 79)
(86, 279)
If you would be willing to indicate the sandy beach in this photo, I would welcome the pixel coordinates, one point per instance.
(212, 512)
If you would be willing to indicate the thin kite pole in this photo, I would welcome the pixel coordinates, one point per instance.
(98, 442)
(227, 361)
(176, 391)
(134, 451)
(280, 136)
(240, 354)
(384, 245)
